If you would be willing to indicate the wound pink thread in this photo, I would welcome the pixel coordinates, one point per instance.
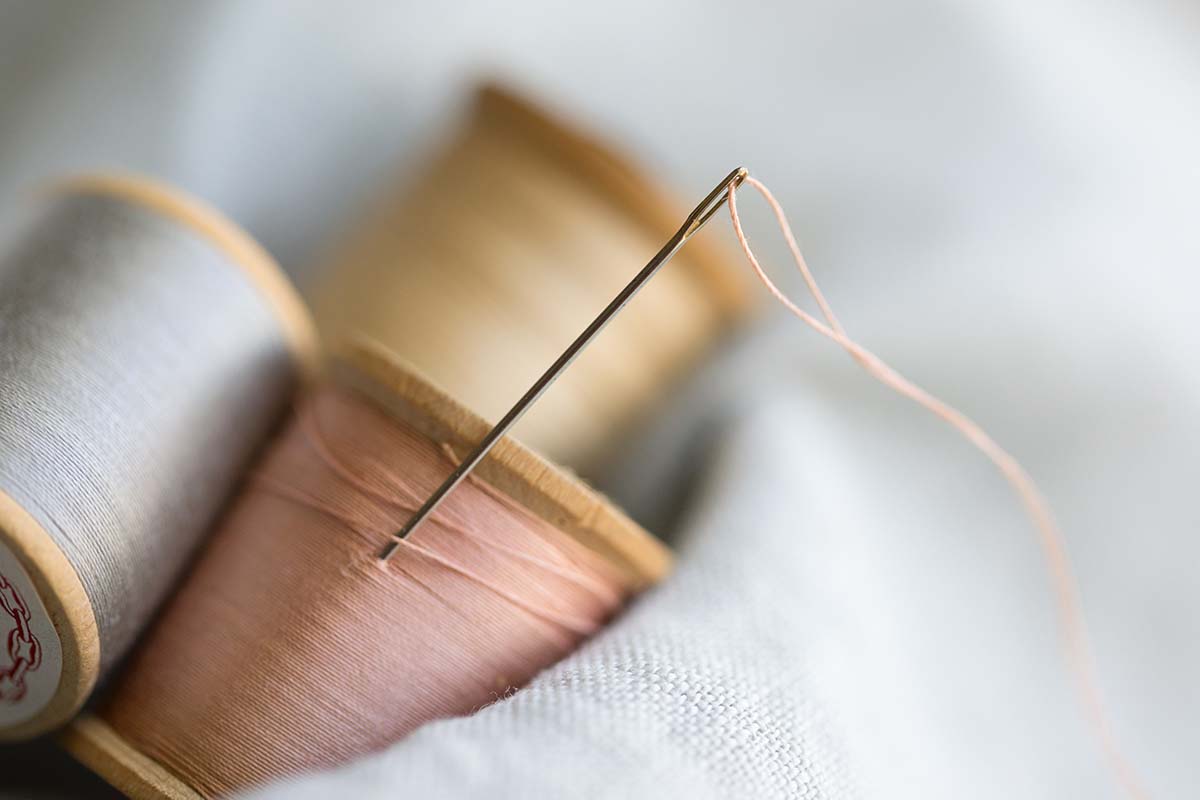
(292, 647)
(1050, 538)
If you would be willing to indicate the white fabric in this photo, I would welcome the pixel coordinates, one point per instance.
(1001, 200)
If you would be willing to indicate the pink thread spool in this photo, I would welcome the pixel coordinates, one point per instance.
(334, 654)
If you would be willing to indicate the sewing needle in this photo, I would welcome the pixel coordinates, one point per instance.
(694, 222)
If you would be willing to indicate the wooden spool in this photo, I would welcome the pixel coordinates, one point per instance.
(35, 573)
(550, 493)
(485, 265)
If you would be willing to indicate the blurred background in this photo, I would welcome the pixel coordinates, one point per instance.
(1000, 198)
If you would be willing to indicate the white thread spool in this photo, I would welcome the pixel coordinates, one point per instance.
(147, 347)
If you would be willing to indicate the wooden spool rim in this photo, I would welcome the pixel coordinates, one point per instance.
(548, 491)
(62, 593)
(241, 248)
(94, 743)
(623, 184)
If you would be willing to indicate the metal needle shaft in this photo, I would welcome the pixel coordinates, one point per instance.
(695, 221)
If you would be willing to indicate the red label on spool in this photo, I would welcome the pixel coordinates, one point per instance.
(24, 649)
(30, 651)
